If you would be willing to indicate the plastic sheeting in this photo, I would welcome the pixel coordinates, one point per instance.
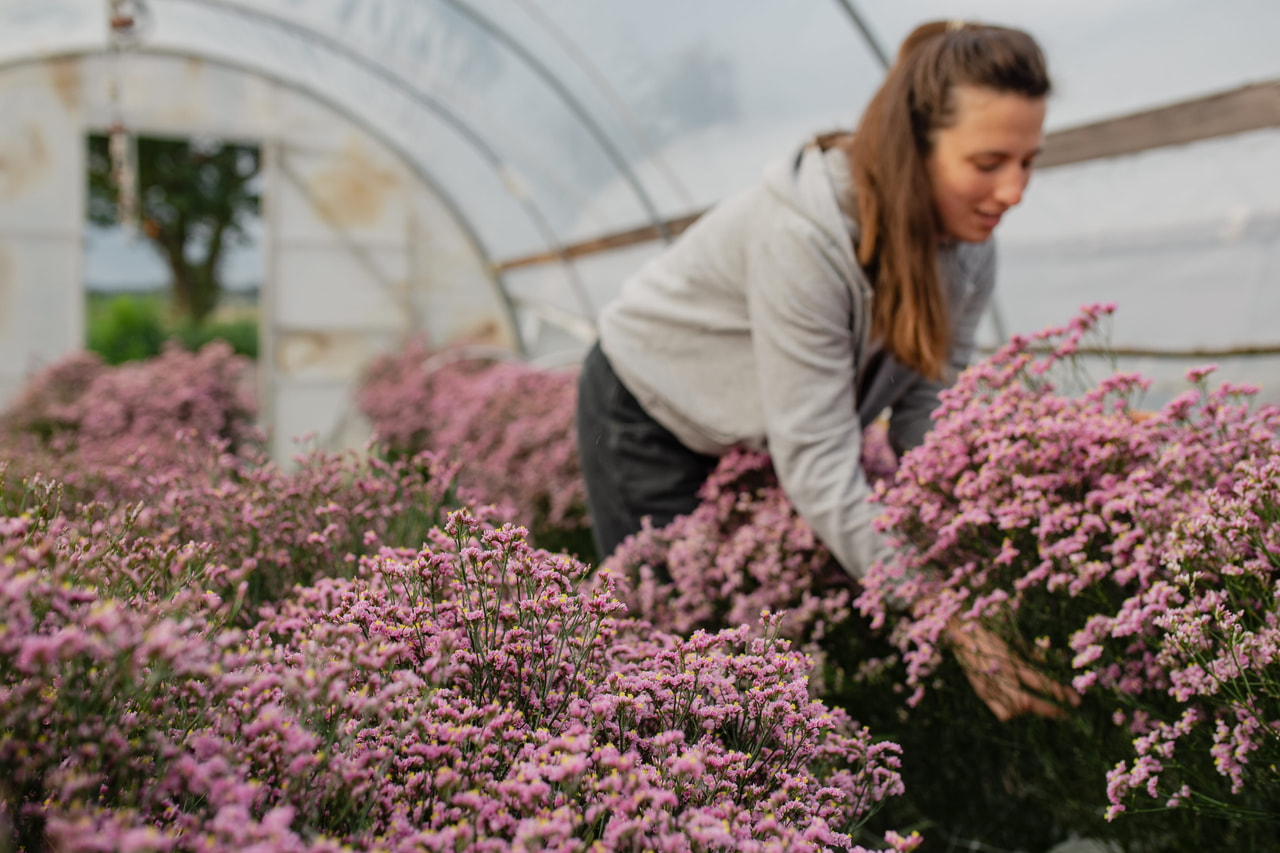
(544, 122)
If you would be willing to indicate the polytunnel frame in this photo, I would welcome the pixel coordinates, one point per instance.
(658, 223)
(445, 198)
(659, 227)
(451, 118)
(493, 30)
(472, 137)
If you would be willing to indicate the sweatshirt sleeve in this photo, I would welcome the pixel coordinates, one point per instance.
(800, 310)
(912, 417)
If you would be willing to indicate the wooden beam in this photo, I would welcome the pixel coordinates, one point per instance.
(1248, 108)
(617, 240)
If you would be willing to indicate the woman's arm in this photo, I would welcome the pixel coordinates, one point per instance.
(1005, 682)
(802, 302)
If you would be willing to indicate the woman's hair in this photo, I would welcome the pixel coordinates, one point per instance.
(887, 154)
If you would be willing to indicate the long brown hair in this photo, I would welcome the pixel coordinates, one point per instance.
(888, 153)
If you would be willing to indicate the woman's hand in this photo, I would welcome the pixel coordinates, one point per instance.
(1007, 684)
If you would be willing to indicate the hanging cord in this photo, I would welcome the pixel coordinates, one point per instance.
(126, 22)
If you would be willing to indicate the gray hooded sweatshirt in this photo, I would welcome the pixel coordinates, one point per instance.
(753, 330)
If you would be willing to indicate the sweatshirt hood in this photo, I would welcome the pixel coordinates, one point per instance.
(811, 182)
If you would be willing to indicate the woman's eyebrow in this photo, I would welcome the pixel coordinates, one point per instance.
(1000, 152)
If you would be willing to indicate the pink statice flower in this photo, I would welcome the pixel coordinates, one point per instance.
(742, 552)
(512, 424)
(1218, 622)
(102, 430)
(1033, 506)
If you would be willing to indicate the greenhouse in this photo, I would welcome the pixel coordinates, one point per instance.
(219, 559)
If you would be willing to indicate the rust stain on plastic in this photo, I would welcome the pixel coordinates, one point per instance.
(24, 159)
(67, 78)
(353, 191)
(297, 350)
(487, 332)
(335, 354)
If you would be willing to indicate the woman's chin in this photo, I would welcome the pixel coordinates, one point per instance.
(973, 234)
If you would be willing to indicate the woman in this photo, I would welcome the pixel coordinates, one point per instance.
(850, 282)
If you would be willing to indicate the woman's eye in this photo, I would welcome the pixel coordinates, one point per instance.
(987, 167)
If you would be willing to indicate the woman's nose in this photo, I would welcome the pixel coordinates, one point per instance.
(1009, 189)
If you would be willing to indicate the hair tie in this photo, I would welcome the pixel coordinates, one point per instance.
(955, 25)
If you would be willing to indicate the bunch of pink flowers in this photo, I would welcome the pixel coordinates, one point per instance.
(99, 429)
(1218, 623)
(512, 424)
(1050, 518)
(742, 551)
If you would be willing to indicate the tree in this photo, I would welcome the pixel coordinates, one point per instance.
(196, 197)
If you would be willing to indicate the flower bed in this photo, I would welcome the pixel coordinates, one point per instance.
(102, 431)
(202, 651)
(81, 402)
(466, 697)
(183, 464)
(235, 653)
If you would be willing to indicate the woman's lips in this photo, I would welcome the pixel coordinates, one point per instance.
(989, 220)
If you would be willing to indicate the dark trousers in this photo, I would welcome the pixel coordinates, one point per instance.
(634, 467)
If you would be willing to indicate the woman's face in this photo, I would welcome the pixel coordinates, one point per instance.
(980, 165)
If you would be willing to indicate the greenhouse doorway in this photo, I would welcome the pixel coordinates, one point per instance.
(173, 244)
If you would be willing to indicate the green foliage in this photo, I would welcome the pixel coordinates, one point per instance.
(134, 326)
(241, 334)
(126, 328)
